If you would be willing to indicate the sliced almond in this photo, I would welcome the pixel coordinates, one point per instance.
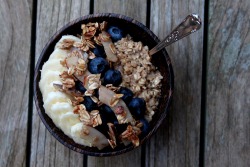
(112, 48)
(106, 42)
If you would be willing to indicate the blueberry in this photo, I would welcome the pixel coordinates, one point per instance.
(120, 128)
(116, 122)
(115, 33)
(107, 109)
(89, 104)
(127, 94)
(103, 128)
(80, 87)
(145, 126)
(99, 51)
(107, 114)
(98, 65)
(137, 107)
(113, 77)
(96, 93)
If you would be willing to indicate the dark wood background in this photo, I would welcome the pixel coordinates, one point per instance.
(209, 121)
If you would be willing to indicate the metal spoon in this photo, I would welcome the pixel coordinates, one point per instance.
(189, 25)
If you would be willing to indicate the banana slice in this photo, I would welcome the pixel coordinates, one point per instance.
(50, 88)
(92, 137)
(54, 97)
(53, 65)
(47, 79)
(58, 109)
(67, 120)
(58, 54)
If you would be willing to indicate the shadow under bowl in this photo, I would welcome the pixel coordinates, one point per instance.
(138, 32)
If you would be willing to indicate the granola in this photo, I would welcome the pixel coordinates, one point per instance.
(139, 74)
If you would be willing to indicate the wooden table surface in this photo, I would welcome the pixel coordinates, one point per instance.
(209, 120)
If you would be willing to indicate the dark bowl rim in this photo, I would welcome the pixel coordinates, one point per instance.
(37, 73)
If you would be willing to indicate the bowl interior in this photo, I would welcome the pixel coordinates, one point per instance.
(139, 33)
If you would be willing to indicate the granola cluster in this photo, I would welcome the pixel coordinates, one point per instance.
(138, 73)
(131, 133)
(88, 38)
(92, 119)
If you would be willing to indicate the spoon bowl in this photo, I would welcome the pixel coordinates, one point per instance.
(189, 25)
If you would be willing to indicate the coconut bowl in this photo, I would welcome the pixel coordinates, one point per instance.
(138, 32)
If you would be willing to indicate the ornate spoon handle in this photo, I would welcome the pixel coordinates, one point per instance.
(189, 25)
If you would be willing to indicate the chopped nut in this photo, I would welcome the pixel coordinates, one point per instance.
(112, 143)
(66, 44)
(111, 133)
(84, 116)
(93, 86)
(103, 26)
(99, 120)
(84, 45)
(113, 88)
(90, 44)
(94, 112)
(89, 92)
(97, 40)
(119, 110)
(121, 118)
(81, 63)
(68, 83)
(92, 28)
(63, 62)
(118, 96)
(104, 36)
(79, 99)
(115, 99)
(113, 102)
(78, 44)
(71, 70)
(84, 28)
(96, 25)
(139, 125)
(64, 75)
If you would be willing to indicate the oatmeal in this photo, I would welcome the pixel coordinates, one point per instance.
(138, 73)
(100, 88)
